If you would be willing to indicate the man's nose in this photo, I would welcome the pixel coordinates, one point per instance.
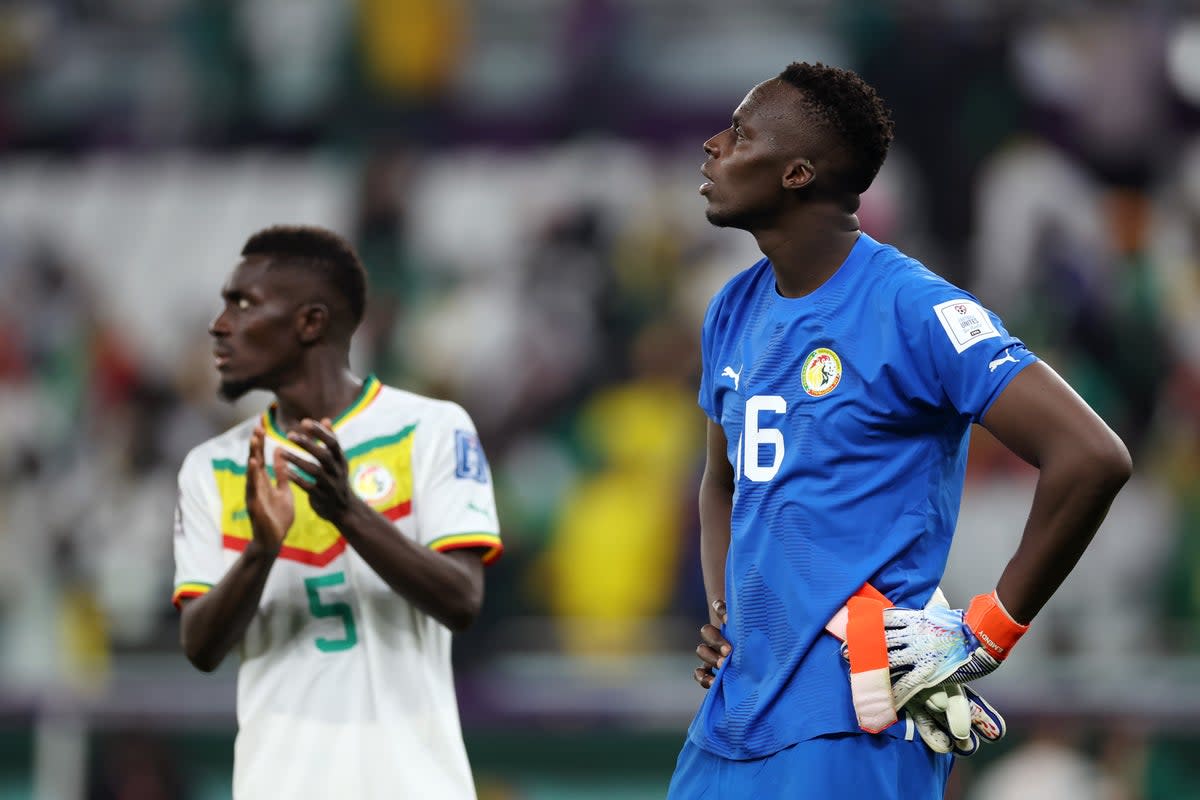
(713, 146)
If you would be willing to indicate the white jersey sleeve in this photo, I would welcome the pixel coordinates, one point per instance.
(453, 499)
(199, 557)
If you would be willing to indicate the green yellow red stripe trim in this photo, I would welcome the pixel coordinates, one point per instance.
(370, 390)
(189, 589)
(234, 468)
(457, 541)
(380, 441)
(293, 553)
(231, 466)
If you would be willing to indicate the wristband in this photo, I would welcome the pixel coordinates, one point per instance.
(991, 623)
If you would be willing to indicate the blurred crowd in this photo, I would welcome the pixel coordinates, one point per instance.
(520, 183)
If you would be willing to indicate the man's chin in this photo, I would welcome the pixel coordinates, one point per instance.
(720, 220)
(230, 391)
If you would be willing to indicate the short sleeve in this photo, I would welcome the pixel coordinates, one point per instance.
(199, 559)
(453, 499)
(962, 352)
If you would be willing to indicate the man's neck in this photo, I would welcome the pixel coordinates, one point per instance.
(807, 252)
(318, 394)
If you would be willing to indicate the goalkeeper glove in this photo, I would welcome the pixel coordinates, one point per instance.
(954, 718)
(935, 644)
(948, 716)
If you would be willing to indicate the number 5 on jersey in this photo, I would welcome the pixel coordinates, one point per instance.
(322, 609)
(759, 437)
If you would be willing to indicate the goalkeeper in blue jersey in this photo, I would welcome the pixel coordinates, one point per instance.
(840, 378)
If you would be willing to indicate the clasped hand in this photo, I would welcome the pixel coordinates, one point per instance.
(327, 481)
(324, 477)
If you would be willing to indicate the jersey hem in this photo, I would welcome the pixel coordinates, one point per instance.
(897, 730)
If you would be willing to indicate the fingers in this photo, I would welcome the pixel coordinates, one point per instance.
(712, 650)
(315, 447)
(254, 462)
(282, 473)
(907, 685)
(928, 647)
(985, 720)
(931, 733)
(966, 747)
(297, 469)
(928, 710)
(938, 716)
(711, 636)
(318, 439)
(256, 444)
(958, 713)
(323, 430)
(711, 658)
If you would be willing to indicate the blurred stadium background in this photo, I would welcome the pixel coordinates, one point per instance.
(520, 177)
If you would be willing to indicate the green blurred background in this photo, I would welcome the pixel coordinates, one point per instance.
(520, 177)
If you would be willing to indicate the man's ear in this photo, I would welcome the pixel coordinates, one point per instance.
(799, 173)
(312, 322)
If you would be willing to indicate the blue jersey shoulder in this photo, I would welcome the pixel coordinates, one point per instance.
(735, 290)
(964, 350)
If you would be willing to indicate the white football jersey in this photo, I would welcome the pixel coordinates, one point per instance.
(344, 688)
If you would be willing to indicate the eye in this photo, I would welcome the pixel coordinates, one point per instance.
(243, 303)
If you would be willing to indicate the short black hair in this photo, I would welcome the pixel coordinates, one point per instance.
(320, 250)
(853, 110)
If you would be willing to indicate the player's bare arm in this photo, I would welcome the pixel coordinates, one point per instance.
(716, 507)
(212, 624)
(1082, 465)
(446, 586)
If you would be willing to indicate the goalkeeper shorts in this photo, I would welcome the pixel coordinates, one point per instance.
(834, 766)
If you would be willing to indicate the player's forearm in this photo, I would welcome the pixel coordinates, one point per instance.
(716, 506)
(1074, 492)
(1082, 465)
(716, 509)
(211, 625)
(446, 586)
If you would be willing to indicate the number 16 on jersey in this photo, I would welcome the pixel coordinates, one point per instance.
(760, 440)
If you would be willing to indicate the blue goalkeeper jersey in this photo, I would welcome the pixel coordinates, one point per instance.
(847, 414)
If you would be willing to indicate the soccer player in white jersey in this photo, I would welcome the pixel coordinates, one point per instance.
(336, 541)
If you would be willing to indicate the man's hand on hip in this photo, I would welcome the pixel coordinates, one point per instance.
(935, 644)
(713, 648)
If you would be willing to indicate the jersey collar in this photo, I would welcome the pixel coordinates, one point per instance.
(370, 390)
